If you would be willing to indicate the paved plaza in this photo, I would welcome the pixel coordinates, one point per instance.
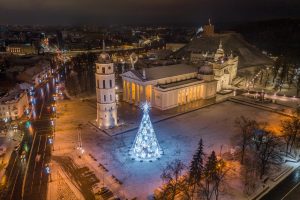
(178, 136)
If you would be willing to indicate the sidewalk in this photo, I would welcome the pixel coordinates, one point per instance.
(105, 177)
(60, 187)
(9, 142)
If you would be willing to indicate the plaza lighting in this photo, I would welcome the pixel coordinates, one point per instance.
(47, 170)
(52, 122)
(53, 108)
(145, 146)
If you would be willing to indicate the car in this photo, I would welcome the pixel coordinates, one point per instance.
(17, 147)
(115, 198)
(23, 155)
(2, 150)
(107, 195)
(38, 158)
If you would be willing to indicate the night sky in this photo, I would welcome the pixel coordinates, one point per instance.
(104, 12)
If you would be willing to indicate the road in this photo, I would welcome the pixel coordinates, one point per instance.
(288, 189)
(37, 133)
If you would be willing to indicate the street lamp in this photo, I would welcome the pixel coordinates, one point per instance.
(79, 142)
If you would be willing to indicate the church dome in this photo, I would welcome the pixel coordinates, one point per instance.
(206, 70)
(104, 57)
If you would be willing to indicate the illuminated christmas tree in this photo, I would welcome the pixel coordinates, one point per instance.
(145, 146)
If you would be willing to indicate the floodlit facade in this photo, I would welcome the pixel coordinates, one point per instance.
(105, 91)
(21, 49)
(169, 86)
(13, 105)
(224, 67)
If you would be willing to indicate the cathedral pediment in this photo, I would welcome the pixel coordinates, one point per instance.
(132, 75)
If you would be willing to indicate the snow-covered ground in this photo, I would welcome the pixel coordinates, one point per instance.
(177, 136)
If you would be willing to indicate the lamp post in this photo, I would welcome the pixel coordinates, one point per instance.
(79, 142)
(53, 132)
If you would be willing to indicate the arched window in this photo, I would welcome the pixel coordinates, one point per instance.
(103, 83)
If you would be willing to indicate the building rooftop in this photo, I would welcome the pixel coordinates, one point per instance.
(155, 73)
(11, 97)
(20, 45)
(179, 83)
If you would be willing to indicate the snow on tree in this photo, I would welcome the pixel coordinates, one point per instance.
(145, 146)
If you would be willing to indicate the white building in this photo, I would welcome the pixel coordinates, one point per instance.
(21, 49)
(105, 91)
(13, 104)
(224, 67)
(166, 87)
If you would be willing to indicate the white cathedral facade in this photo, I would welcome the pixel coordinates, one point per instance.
(166, 87)
(224, 67)
(169, 86)
(105, 91)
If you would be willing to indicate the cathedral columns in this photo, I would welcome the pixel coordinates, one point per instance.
(130, 93)
(124, 90)
(136, 94)
(143, 96)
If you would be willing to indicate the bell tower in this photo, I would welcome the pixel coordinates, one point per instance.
(209, 29)
(105, 91)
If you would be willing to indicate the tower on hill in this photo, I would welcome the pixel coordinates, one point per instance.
(208, 29)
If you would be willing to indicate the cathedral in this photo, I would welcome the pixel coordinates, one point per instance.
(169, 86)
(166, 87)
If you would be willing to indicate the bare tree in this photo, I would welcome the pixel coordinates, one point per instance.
(290, 131)
(249, 173)
(220, 173)
(214, 173)
(278, 63)
(246, 127)
(172, 178)
(267, 151)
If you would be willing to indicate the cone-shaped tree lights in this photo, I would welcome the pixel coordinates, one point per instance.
(145, 146)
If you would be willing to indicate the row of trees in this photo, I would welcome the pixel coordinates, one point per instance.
(261, 149)
(201, 180)
(285, 71)
(80, 74)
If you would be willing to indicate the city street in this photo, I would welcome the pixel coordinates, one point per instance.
(38, 130)
(288, 189)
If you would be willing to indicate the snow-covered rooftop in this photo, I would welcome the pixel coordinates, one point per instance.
(155, 73)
